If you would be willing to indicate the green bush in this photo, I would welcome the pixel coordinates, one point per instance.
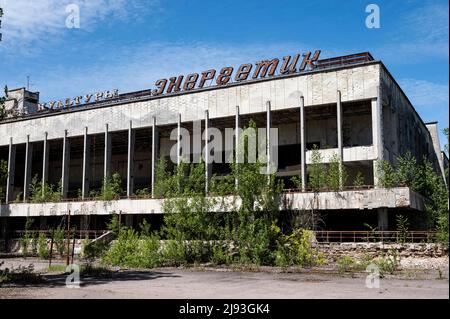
(174, 253)
(359, 180)
(345, 263)
(43, 251)
(221, 254)
(335, 173)
(402, 228)
(43, 193)
(111, 188)
(296, 249)
(317, 176)
(59, 240)
(388, 263)
(133, 250)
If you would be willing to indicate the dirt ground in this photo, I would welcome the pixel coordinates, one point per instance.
(224, 283)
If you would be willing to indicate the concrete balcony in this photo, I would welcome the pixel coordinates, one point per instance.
(398, 197)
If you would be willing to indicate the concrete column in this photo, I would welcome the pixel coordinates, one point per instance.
(236, 143)
(155, 152)
(339, 136)
(65, 166)
(179, 139)
(383, 224)
(28, 164)
(302, 144)
(268, 141)
(377, 132)
(11, 172)
(86, 164)
(130, 162)
(208, 165)
(45, 155)
(107, 156)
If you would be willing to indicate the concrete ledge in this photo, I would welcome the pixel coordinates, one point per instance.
(399, 197)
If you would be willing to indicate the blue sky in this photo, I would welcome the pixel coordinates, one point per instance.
(129, 44)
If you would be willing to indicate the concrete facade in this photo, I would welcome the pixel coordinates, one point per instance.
(356, 111)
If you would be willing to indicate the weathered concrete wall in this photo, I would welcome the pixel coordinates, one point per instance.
(355, 83)
(403, 129)
(359, 250)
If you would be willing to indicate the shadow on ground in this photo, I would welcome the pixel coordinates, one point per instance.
(59, 279)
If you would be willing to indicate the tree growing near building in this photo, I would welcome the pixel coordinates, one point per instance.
(335, 174)
(317, 177)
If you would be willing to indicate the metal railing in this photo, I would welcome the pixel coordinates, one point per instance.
(344, 60)
(79, 234)
(346, 236)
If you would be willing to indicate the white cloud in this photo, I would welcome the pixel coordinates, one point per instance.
(420, 35)
(26, 22)
(425, 94)
(138, 67)
(430, 100)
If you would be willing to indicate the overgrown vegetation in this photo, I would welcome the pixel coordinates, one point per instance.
(111, 188)
(3, 179)
(2, 104)
(44, 192)
(322, 176)
(196, 229)
(402, 228)
(59, 240)
(422, 178)
(388, 263)
(21, 274)
(359, 180)
(43, 251)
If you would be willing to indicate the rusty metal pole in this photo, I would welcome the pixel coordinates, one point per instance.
(73, 244)
(68, 239)
(51, 253)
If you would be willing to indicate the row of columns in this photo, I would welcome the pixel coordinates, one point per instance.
(376, 127)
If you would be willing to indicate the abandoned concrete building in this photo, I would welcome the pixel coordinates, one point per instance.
(350, 106)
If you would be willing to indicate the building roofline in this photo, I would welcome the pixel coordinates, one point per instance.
(115, 102)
